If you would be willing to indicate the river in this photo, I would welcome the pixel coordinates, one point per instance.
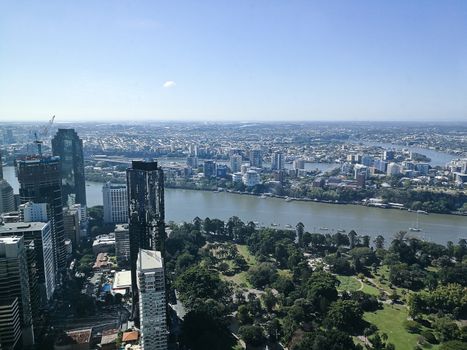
(184, 205)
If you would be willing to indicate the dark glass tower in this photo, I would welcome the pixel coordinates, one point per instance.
(69, 147)
(145, 185)
(40, 182)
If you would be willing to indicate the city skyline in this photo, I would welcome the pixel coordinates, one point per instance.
(220, 62)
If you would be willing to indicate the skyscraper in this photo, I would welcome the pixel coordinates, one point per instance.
(7, 201)
(40, 182)
(14, 281)
(10, 323)
(115, 200)
(256, 158)
(277, 161)
(235, 162)
(152, 301)
(40, 234)
(145, 182)
(69, 147)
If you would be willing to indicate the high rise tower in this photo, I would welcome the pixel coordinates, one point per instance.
(7, 201)
(14, 281)
(152, 300)
(145, 184)
(40, 182)
(69, 147)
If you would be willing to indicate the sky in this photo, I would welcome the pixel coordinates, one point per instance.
(257, 60)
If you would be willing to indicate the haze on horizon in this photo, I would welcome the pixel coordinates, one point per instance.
(226, 61)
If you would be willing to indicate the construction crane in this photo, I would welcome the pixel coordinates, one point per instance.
(44, 133)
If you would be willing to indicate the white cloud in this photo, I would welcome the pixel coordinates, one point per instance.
(169, 84)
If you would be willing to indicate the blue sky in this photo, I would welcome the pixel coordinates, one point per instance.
(233, 60)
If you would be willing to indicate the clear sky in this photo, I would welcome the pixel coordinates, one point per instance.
(233, 60)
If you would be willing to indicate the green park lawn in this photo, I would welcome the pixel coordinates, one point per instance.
(243, 250)
(390, 320)
(348, 283)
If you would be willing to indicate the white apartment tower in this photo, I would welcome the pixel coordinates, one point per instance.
(152, 302)
(115, 200)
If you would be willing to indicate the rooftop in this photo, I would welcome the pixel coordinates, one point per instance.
(122, 280)
(149, 259)
(12, 227)
(130, 336)
(81, 336)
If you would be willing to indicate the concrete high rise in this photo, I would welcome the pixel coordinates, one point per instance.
(235, 163)
(122, 245)
(40, 234)
(69, 147)
(14, 281)
(145, 182)
(115, 200)
(10, 323)
(40, 182)
(256, 158)
(7, 199)
(152, 300)
(278, 162)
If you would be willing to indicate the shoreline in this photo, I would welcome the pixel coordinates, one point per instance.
(293, 199)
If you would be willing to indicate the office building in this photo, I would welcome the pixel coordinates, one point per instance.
(115, 200)
(299, 164)
(152, 301)
(71, 226)
(145, 181)
(209, 168)
(393, 169)
(256, 158)
(33, 212)
(235, 163)
(7, 199)
(388, 155)
(40, 234)
(10, 323)
(40, 182)
(69, 147)
(192, 161)
(251, 178)
(221, 171)
(122, 245)
(278, 161)
(14, 281)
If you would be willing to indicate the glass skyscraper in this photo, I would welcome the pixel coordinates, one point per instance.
(145, 184)
(69, 147)
(40, 182)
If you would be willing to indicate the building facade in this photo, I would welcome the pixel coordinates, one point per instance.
(145, 182)
(10, 323)
(40, 234)
(7, 199)
(40, 182)
(115, 200)
(122, 245)
(69, 147)
(14, 281)
(152, 301)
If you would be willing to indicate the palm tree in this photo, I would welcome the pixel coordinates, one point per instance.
(379, 242)
(299, 229)
(352, 235)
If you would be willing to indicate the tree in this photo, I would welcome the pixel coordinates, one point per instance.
(379, 242)
(344, 315)
(201, 331)
(366, 241)
(352, 235)
(269, 300)
(321, 290)
(243, 315)
(197, 223)
(197, 284)
(299, 229)
(330, 340)
(262, 274)
(252, 335)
